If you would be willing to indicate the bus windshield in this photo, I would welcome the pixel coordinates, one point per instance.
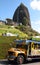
(21, 46)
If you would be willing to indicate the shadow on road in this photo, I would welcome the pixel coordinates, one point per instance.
(7, 63)
(33, 61)
(14, 63)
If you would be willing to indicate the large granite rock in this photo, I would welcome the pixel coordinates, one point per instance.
(21, 15)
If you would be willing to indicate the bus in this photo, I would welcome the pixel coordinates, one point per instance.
(24, 50)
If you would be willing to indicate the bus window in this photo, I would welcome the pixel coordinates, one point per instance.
(32, 45)
(36, 46)
(39, 46)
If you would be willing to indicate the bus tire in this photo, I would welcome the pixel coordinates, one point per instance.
(20, 59)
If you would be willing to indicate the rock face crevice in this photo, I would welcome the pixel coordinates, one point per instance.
(21, 15)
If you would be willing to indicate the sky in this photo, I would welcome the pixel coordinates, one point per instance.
(8, 7)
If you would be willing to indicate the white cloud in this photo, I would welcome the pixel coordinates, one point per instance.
(36, 25)
(35, 4)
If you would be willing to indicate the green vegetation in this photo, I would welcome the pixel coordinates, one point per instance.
(6, 29)
(28, 30)
(5, 45)
(37, 39)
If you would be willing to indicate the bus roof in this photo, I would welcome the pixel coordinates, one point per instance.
(27, 41)
(36, 42)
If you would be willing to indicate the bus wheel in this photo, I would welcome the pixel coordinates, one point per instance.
(20, 59)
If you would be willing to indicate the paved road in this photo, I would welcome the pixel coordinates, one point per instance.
(5, 62)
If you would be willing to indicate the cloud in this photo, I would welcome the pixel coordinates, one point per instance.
(35, 4)
(36, 25)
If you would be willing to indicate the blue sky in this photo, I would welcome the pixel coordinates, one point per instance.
(8, 7)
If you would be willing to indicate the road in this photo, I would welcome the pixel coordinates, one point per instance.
(5, 62)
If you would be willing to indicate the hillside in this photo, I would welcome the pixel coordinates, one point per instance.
(29, 31)
(6, 29)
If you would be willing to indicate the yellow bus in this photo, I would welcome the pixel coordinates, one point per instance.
(24, 50)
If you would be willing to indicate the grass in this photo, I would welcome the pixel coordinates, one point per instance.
(5, 45)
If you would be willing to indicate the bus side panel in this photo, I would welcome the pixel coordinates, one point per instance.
(35, 52)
